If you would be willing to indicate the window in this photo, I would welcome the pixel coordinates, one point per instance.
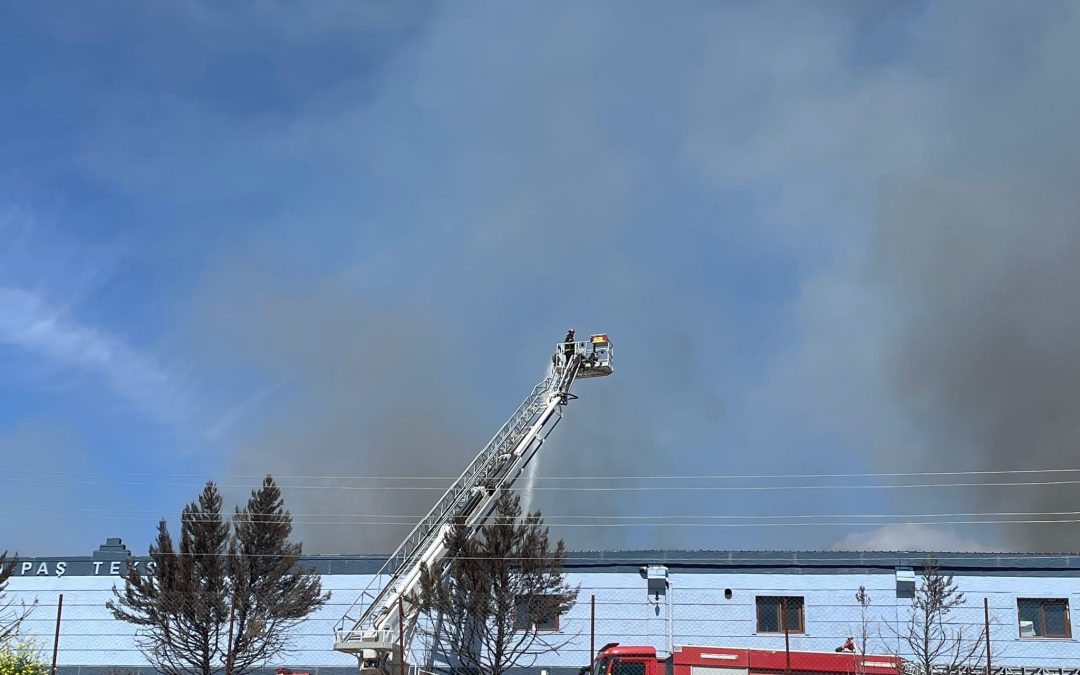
(1044, 617)
(539, 611)
(621, 667)
(776, 613)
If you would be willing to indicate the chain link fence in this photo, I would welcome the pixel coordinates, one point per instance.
(779, 626)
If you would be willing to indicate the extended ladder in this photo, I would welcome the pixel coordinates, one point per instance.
(372, 626)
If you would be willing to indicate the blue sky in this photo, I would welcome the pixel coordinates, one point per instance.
(340, 240)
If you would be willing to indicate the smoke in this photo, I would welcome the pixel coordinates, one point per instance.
(978, 253)
(840, 239)
(357, 391)
(925, 164)
(907, 537)
(986, 358)
(494, 221)
(946, 328)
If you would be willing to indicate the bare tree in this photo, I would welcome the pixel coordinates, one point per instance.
(272, 595)
(12, 613)
(933, 642)
(861, 633)
(502, 591)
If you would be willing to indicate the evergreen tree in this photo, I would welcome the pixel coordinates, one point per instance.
(185, 603)
(181, 605)
(272, 595)
(501, 593)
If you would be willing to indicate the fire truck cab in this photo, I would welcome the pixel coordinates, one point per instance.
(615, 659)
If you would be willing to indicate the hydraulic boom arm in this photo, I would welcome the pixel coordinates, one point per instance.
(375, 623)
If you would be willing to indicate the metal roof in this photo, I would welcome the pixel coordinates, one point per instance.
(805, 562)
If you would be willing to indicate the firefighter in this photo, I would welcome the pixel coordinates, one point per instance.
(568, 345)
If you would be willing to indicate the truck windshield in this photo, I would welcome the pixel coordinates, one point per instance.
(620, 667)
(600, 666)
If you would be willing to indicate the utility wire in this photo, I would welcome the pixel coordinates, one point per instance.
(780, 476)
(663, 524)
(408, 519)
(793, 558)
(623, 488)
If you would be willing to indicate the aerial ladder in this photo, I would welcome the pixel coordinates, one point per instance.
(382, 618)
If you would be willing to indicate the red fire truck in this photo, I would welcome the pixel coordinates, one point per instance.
(616, 659)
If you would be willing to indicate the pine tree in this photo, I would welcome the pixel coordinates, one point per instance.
(500, 592)
(272, 595)
(182, 606)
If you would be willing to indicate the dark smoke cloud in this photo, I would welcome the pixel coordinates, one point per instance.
(987, 358)
(839, 241)
(940, 328)
(957, 343)
(501, 220)
(360, 390)
(979, 254)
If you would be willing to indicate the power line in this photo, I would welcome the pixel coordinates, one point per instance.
(781, 476)
(591, 488)
(794, 558)
(408, 519)
(623, 557)
(555, 524)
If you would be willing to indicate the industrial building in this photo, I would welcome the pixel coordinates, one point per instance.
(716, 598)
